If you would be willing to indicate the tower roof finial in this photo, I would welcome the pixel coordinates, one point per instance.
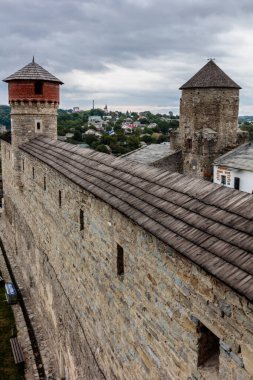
(33, 60)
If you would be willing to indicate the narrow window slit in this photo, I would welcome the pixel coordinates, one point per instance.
(208, 349)
(120, 261)
(81, 220)
(38, 88)
(60, 198)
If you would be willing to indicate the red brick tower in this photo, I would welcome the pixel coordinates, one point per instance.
(34, 100)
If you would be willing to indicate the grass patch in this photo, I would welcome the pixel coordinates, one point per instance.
(8, 369)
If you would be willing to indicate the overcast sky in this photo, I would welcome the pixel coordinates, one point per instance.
(129, 54)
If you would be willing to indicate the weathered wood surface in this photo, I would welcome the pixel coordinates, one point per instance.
(17, 351)
(208, 223)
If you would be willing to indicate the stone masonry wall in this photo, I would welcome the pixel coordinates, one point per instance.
(172, 163)
(212, 108)
(145, 325)
(24, 119)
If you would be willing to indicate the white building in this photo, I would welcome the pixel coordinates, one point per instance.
(69, 135)
(92, 132)
(96, 121)
(235, 168)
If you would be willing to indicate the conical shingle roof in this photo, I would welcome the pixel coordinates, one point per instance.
(210, 76)
(33, 71)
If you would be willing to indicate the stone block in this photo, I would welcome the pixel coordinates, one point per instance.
(237, 359)
(247, 355)
(225, 346)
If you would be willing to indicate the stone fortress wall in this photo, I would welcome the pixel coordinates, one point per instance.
(145, 324)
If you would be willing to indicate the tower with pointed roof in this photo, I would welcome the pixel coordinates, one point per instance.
(208, 119)
(34, 100)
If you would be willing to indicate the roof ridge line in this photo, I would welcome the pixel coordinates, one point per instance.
(202, 199)
(76, 165)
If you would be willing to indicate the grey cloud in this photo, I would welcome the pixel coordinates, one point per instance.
(88, 35)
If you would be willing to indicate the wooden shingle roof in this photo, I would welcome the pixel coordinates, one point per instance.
(210, 76)
(209, 224)
(33, 71)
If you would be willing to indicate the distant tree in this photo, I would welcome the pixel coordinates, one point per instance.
(96, 112)
(174, 123)
(134, 116)
(89, 139)
(144, 121)
(163, 126)
(5, 116)
(108, 140)
(121, 137)
(61, 132)
(162, 139)
(133, 142)
(148, 130)
(147, 139)
(102, 148)
(249, 128)
(117, 125)
(77, 136)
(118, 149)
(156, 129)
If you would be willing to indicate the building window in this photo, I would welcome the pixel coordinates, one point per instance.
(38, 88)
(33, 173)
(81, 220)
(208, 349)
(120, 261)
(38, 125)
(45, 183)
(237, 183)
(59, 198)
(223, 180)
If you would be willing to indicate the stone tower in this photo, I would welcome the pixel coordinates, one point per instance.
(208, 119)
(34, 100)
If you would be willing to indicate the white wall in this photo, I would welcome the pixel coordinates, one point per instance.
(246, 177)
